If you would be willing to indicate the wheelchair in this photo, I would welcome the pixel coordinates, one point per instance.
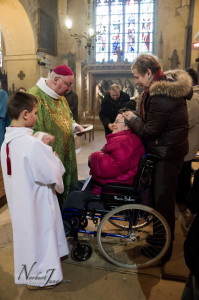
(130, 233)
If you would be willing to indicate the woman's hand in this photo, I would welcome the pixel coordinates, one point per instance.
(128, 115)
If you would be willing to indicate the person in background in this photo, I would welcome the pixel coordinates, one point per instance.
(113, 101)
(101, 89)
(128, 88)
(72, 100)
(54, 117)
(32, 173)
(191, 244)
(21, 89)
(163, 127)
(4, 118)
(184, 179)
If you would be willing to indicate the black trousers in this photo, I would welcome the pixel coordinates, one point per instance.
(191, 289)
(184, 182)
(78, 199)
(164, 189)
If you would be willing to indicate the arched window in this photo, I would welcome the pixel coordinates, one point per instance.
(124, 29)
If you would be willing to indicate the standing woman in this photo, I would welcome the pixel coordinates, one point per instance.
(163, 127)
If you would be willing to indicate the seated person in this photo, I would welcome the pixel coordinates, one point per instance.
(117, 162)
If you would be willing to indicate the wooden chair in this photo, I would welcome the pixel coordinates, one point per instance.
(88, 118)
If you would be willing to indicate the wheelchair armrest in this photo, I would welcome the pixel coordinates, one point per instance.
(93, 198)
(153, 157)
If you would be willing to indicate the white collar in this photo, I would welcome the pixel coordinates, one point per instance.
(41, 83)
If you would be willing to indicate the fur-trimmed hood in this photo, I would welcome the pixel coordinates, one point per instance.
(176, 84)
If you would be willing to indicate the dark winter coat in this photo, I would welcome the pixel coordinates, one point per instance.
(109, 109)
(165, 128)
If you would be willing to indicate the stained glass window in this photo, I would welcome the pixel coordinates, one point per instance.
(124, 29)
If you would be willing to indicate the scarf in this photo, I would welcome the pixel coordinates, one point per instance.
(145, 94)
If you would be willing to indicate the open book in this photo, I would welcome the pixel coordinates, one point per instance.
(85, 130)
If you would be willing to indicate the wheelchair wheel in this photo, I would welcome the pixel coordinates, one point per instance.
(133, 236)
(81, 251)
(140, 224)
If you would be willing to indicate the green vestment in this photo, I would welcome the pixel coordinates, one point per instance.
(54, 117)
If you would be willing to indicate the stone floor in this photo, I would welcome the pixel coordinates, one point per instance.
(95, 279)
(2, 192)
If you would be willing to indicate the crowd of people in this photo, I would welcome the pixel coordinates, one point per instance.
(39, 148)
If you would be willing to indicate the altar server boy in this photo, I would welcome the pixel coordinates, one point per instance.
(32, 175)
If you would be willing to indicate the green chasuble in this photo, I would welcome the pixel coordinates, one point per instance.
(54, 117)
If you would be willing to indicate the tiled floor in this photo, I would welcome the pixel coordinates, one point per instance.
(95, 279)
(6, 240)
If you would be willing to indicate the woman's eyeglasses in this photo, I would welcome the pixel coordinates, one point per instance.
(116, 122)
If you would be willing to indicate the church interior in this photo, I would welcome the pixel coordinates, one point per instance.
(38, 35)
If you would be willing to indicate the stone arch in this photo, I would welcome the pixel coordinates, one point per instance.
(19, 44)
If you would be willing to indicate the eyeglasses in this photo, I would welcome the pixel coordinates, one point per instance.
(68, 84)
(116, 122)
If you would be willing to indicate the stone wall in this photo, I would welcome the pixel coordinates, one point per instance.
(171, 25)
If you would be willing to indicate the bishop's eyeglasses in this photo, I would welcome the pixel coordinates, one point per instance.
(68, 84)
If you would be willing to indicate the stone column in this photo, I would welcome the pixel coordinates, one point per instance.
(79, 86)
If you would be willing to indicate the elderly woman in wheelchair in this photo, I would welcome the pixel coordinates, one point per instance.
(129, 234)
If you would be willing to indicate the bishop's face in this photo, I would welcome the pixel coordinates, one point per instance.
(62, 85)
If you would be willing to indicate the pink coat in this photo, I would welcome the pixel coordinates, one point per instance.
(118, 160)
